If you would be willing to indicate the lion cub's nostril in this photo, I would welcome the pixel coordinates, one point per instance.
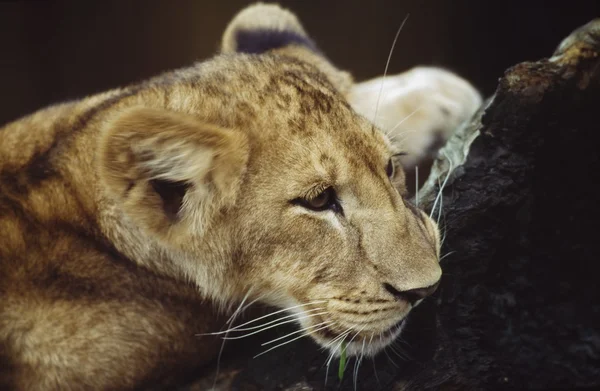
(412, 295)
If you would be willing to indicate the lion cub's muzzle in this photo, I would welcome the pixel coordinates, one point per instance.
(368, 324)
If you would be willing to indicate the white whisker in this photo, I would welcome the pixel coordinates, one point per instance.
(358, 362)
(387, 64)
(271, 314)
(239, 328)
(341, 336)
(231, 319)
(296, 332)
(417, 186)
(445, 255)
(444, 235)
(356, 335)
(332, 353)
(326, 363)
(399, 141)
(275, 325)
(373, 362)
(442, 187)
(292, 340)
(404, 119)
(402, 340)
(387, 354)
(441, 208)
(402, 354)
(242, 309)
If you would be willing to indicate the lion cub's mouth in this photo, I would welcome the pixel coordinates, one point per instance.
(361, 342)
(365, 337)
(339, 329)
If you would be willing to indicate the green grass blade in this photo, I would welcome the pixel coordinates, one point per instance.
(342, 366)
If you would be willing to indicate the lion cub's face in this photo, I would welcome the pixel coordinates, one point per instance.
(258, 181)
(321, 223)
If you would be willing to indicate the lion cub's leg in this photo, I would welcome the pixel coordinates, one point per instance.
(131, 333)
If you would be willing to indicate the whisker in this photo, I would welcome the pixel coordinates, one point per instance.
(442, 187)
(292, 340)
(444, 235)
(399, 141)
(403, 132)
(373, 362)
(296, 332)
(441, 208)
(402, 354)
(385, 351)
(274, 325)
(404, 119)
(355, 335)
(340, 337)
(402, 340)
(445, 255)
(242, 309)
(387, 64)
(354, 374)
(398, 354)
(273, 313)
(389, 357)
(417, 186)
(231, 319)
(358, 362)
(406, 355)
(326, 364)
(237, 328)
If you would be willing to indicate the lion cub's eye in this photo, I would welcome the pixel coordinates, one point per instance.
(320, 201)
(389, 169)
(325, 200)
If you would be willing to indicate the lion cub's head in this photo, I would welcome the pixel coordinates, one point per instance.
(251, 175)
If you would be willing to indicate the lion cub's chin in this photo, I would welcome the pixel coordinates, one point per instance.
(359, 341)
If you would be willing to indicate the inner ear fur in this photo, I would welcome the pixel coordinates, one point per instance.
(170, 172)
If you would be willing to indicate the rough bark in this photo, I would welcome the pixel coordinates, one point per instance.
(519, 303)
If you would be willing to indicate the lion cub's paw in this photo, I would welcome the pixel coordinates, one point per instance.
(418, 109)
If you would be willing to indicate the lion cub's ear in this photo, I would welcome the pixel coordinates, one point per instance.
(169, 171)
(261, 28)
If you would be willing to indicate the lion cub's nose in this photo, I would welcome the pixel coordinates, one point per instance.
(412, 295)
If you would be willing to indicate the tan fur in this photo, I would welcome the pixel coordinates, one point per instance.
(102, 288)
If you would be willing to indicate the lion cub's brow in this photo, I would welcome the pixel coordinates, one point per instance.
(318, 167)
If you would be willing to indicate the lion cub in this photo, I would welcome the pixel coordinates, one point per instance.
(129, 219)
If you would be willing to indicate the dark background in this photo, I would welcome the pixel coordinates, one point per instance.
(54, 51)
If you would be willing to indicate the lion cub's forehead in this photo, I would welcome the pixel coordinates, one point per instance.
(273, 93)
(292, 113)
(336, 148)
